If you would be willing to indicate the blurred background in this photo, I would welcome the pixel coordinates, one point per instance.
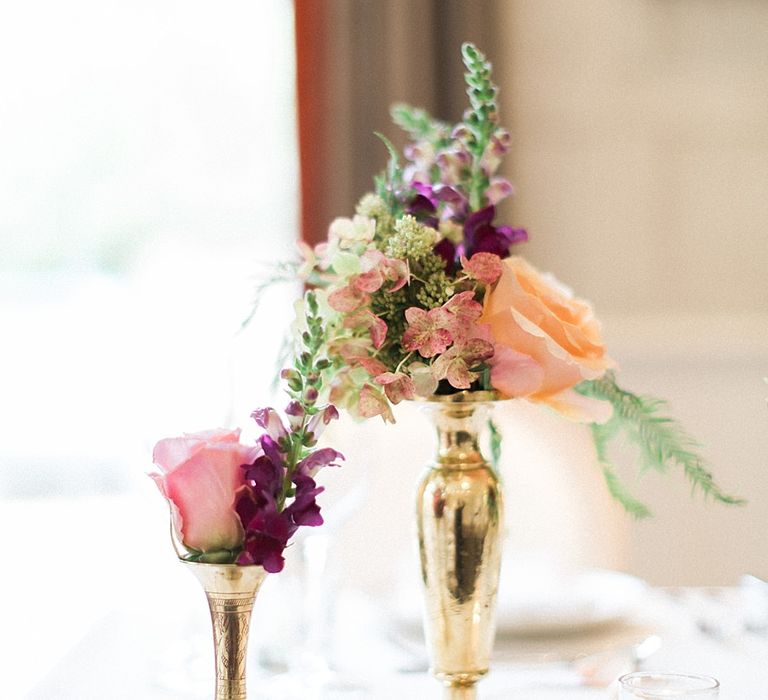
(150, 171)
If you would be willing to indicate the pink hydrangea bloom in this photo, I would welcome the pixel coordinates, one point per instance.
(373, 403)
(455, 364)
(397, 386)
(483, 267)
(365, 319)
(347, 299)
(427, 331)
(462, 313)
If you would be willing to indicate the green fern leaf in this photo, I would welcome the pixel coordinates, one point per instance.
(601, 436)
(662, 441)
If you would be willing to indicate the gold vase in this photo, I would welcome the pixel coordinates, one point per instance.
(460, 515)
(231, 591)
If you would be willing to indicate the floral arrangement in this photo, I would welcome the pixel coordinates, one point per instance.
(423, 292)
(420, 293)
(240, 504)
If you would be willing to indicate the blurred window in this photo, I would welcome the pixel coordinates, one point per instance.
(147, 164)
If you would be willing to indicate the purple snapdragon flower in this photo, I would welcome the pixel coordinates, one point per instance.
(270, 514)
(481, 236)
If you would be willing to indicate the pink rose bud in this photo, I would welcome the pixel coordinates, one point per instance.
(200, 475)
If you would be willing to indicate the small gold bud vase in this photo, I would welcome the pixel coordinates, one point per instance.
(460, 519)
(231, 591)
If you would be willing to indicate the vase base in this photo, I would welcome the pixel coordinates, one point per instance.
(460, 691)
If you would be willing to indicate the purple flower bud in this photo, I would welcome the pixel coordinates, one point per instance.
(295, 413)
(461, 133)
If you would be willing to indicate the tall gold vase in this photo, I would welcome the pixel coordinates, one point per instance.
(231, 591)
(460, 518)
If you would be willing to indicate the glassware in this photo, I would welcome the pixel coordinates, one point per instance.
(651, 686)
(311, 672)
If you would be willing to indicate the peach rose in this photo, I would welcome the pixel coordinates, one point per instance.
(546, 342)
(200, 475)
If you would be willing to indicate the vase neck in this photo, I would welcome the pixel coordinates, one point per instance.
(231, 591)
(459, 426)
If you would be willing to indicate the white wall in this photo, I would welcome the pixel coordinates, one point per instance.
(641, 166)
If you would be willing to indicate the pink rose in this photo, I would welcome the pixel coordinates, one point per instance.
(554, 338)
(200, 475)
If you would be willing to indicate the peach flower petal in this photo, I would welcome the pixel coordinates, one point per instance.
(536, 318)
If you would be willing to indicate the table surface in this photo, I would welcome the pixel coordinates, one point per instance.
(134, 626)
(162, 654)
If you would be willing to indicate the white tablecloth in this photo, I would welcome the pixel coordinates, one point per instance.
(162, 654)
(112, 616)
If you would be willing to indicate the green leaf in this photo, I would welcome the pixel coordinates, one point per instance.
(634, 507)
(387, 187)
(393, 167)
(495, 436)
(662, 441)
(419, 125)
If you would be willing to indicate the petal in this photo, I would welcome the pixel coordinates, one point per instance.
(316, 460)
(369, 282)
(515, 374)
(204, 489)
(424, 381)
(484, 267)
(579, 408)
(171, 452)
(378, 331)
(347, 299)
(270, 420)
(373, 403)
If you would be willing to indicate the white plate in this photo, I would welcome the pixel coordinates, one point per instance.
(547, 603)
(537, 600)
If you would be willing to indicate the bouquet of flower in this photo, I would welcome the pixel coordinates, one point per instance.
(420, 293)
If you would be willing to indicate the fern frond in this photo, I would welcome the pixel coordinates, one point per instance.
(418, 123)
(662, 441)
(276, 273)
(601, 436)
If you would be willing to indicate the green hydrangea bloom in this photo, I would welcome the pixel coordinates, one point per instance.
(374, 207)
(411, 240)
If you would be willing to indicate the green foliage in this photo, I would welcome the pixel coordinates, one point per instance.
(276, 273)
(495, 438)
(601, 437)
(419, 125)
(662, 442)
(220, 556)
(389, 183)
